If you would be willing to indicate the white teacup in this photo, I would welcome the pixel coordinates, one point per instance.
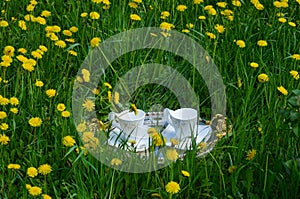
(129, 123)
(184, 121)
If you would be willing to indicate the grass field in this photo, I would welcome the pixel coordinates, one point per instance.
(255, 45)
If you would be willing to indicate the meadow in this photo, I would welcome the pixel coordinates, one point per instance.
(254, 44)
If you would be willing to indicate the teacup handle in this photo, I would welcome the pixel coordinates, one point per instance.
(167, 116)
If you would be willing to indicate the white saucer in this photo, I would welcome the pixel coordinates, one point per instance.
(118, 139)
(203, 135)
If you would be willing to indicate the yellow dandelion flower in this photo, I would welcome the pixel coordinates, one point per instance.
(106, 84)
(6, 58)
(198, 1)
(45, 169)
(236, 3)
(172, 154)
(81, 127)
(89, 105)
(220, 28)
(135, 17)
(32, 172)
(46, 196)
(4, 139)
(73, 29)
(185, 173)
(65, 114)
(222, 4)
(174, 141)
(52, 36)
(35, 121)
(172, 187)
(14, 166)
(115, 162)
(132, 5)
(294, 74)
(56, 28)
(94, 15)
(254, 64)
(29, 64)
(241, 43)
(46, 13)
(210, 35)
(292, 24)
(262, 78)
(212, 11)
(22, 50)
(251, 154)
(70, 40)
(259, 6)
(39, 83)
(68, 141)
(84, 14)
(134, 108)
(51, 92)
(41, 20)
(28, 186)
(72, 52)
(181, 8)
(116, 98)
(262, 43)
(96, 91)
(30, 8)
(97, 1)
(158, 140)
(152, 131)
(164, 14)
(2, 115)
(166, 26)
(186, 30)
(9, 51)
(282, 20)
(95, 42)
(4, 126)
(296, 56)
(109, 96)
(86, 75)
(226, 12)
(22, 25)
(22, 58)
(14, 101)
(60, 43)
(36, 55)
(14, 110)
(35, 191)
(3, 100)
(67, 33)
(282, 90)
(3, 23)
(202, 17)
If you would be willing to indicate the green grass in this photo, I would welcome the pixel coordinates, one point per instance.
(272, 173)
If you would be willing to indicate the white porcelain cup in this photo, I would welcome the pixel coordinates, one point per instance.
(129, 123)
(184, 121)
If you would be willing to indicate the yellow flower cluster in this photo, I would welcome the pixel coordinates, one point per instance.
(257, 4)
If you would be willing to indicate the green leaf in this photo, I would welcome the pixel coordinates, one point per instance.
(296, 92)
(293, 101)
(294, 115)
